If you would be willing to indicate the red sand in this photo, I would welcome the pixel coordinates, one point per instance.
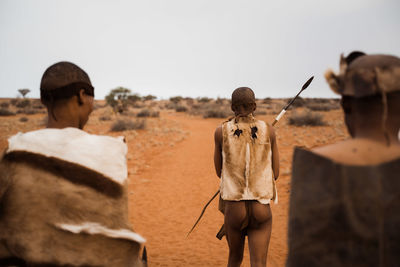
(168, 195)
(172, 176)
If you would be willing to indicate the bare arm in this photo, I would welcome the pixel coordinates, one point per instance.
(218, 151)
(275, 152)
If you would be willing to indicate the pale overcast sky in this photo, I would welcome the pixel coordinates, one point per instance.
(191, 48)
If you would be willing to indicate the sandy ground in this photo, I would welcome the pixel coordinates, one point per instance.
(172, 176)
(168, 193)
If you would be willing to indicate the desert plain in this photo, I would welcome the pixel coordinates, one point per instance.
(171, 171)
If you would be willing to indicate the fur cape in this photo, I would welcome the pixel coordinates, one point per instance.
(63, 200)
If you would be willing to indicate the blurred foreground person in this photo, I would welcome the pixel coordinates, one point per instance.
(247, 161)
(63, 200)
(345, 197)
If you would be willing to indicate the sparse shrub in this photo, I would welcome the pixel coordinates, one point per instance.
(299, 102)
(134, 98)
(120, 97)
(216, 113)
(175, 99)
(23, 119)
(105, 118)
(189, 100)
(196, 106)
(267, 100)
(180, 108)
(204, 99)
(38, 106)
(4, 104)
(6, 112)
(148, 113)
(170, 105)
(144, 113)
(124, 125)
(23, 103)
(110, 100)
(149, 97)
(306, 118)
(14, 101)
(220, 101)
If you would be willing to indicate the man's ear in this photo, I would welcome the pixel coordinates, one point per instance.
(255, 106)
(232, 108)
(81, 97)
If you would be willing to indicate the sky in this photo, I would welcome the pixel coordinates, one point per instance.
(192, 48)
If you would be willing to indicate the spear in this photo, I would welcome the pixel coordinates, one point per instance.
(304, 87)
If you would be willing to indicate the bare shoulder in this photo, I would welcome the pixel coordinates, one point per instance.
(358, 152)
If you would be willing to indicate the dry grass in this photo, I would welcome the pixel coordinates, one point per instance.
(148, 113)
(216, 113)
(6, 112)
(5, 105)
(23, 119)
(104, 118)
(306, 118)
(23, 103)
(125, 125)
(180, 108)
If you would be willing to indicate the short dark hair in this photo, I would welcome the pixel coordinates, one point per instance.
(242, 94)
(63, 80)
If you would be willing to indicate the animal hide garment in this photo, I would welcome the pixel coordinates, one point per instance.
(103, 154)
(343, 215)
(64, 202)
(246, 161)
(95, 228)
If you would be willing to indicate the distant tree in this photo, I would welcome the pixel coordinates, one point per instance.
(134, 98)
(119, 94)
(24, 91)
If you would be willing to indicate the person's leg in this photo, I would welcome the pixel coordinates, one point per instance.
(259, 233)
(235, 214)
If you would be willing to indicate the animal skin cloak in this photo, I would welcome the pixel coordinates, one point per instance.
(246, 161)
(63, 200)
(343, 215)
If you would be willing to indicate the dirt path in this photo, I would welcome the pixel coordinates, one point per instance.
(167, 196)
(172, 177)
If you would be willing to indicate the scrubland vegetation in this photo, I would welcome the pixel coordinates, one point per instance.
(130, 111)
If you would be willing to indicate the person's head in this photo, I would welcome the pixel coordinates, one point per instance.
(243, 101)
(67, 92)
(370, 90)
